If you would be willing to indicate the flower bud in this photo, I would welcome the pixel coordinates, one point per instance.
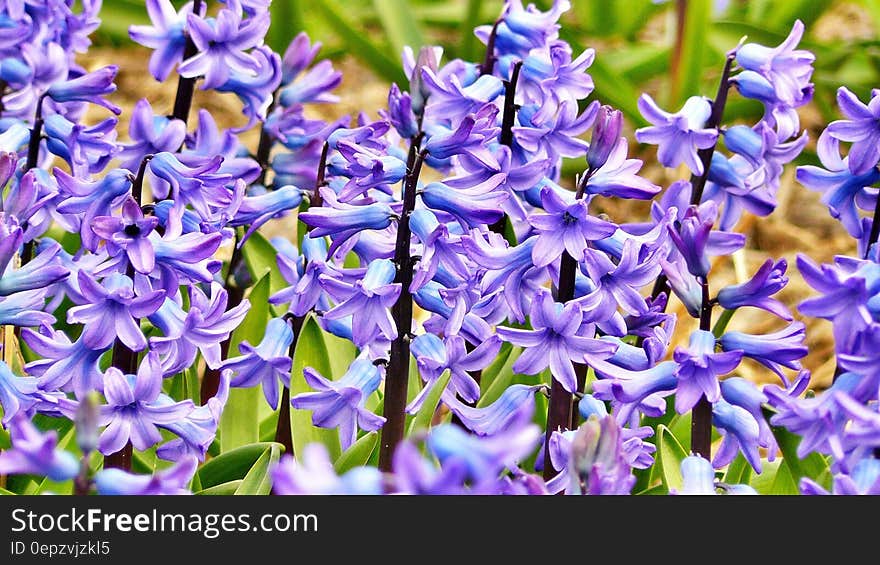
(605, 136)
(86, 422)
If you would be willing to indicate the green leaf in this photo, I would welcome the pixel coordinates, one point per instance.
(260, 258)
(400, 24)
(287, 19)
(257, 481)
(4, 492)
(784, 483)
(501, 379)
(311, 351)
(358, 44)
(223, 489)
(739, 472)
(689, 71)
(488, 375)
(232, 465)
(358, 454)
(614, 89)
(240, 424)
(473, 9)
(422, 420)
(670, 454)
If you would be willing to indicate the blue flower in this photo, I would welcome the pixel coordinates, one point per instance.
(265, 363)
(166, 36)
(343, 221)
(65, 365)
(698, 478)
(150, 134)
(34, 453)
(17, 394)
(367, 300)
(171, 481)
(699, 368)
(90, 87)
(312, 473)
(340, 404)
(757, 291)
(783, 348)
(472, 207)
(786, 68)
(678, 136)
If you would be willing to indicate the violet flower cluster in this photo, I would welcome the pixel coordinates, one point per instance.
(437, 238)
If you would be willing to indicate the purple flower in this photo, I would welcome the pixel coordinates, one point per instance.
(202, 328)
(150, 134)
(16, 393)
(861, 129)
(863, 480)
(255, 211)
(618, 176)
(25, 309)
(255, 90)
(198, 429)
(434, 356)
(783, 348)
(619, 284)
(365, 169)
(554, 130)
(367, 301)
(470, 137)
(566, 226)
(698, 478)
(739, 431)
(591, 459)
(265, 363)
(136, 408)
(400, 113)
(222, 43)
(699, 368)
(555, 341)
(340, 404)
(515, 405)
(87, 149)
(448, 97)
(111, 310)
(483, 456)
(472, 207)
(694, 238)
(312, 473)
(786, 68)
(90, 87)
(678, 136)
(343, 220)
(129, 235)
(842, 191)
(65, 365)
(171, 481)
(34, 453)
(642, 390)
(44, 270)
(166, 36)
(758, 290)
(198, 182)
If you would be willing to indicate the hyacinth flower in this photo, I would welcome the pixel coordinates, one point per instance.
(255, 91)
(473, 206)
(25, 309)
(483, 457)
(136, 408)
(842, 191)
(637, 452)
(174, 480)
(434, 356)
(44, 270)
(642, 390)
(17, 394)
(222, 43)
(85, 149)
(112, 309)
(256, 210)
(197, 183)
(757, 292)
(150, 134)
(591, 460)
(129, 234)
(860, 129)
(266, 363)
(313, 473)
(567, 225)
(699, 368)
(198, 430)
(367, 301)
(343, 221)
(863, 480)
(555, 341)
(786, 68)
(783, 348)
(90, 87)
(516, 404)
(65, 365)
(202, 328)
(680, 135)
(340, 404)
(34, 453)
(166, 36)
(698, 478)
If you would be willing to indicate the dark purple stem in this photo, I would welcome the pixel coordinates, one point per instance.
(701, 415)
(186, 86)
(397, 375)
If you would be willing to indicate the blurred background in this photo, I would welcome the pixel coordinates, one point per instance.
(671, 49)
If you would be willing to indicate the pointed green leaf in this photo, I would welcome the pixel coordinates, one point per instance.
(257, 481)
(358, 454)
(689, 71)
(260, 258)
(231, 465)
(670, 454)
(502, 378)
(240, 424)
(223, 489)
(422, 420)
(813, 466)
(739, 472)
(311, 351)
